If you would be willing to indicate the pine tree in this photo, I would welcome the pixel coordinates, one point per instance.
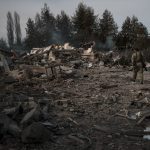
(133, 34)
(84, 22)
(31, 34)
(10, 30)
(39, 31)
(139, 33)
(17, 28)
(124, 37)
(107, 26)
(38, 22)
(3, 44)
(48, 25)
(64, 27)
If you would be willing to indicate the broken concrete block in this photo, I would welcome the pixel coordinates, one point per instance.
(76, 139)
(90, 65)
(34, 114)
(43, 61)
(9, 80)
(101, 63)
(8, 126)
(14, 129)
(43, 101)
(67, 46)
(35, 133)
(51, 56)
(15, 75)
(30, 105)
(49, 125)
(13, 111)
(9, 111)
(67, 70)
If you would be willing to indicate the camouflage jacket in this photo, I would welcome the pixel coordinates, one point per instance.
(137, 57)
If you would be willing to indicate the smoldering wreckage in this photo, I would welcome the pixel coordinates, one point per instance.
(60, 97)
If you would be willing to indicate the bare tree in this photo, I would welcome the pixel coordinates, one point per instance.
(10, 30)
(17, 28)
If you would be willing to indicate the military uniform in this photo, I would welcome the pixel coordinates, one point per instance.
(138, 64)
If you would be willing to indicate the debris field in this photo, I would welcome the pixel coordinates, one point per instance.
(73, 104)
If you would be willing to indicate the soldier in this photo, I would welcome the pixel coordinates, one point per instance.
(138, 64)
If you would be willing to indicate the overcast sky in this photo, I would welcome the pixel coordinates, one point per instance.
(119, 8)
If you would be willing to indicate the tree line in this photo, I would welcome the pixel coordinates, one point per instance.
(83, 26)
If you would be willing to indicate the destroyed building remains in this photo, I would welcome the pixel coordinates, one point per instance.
(74, 97)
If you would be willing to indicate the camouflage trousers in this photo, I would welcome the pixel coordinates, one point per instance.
(138, 70)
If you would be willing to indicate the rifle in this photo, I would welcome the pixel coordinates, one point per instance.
(144, 66)
(143, 63)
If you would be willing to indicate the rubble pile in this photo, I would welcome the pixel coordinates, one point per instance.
(52, 53)
(112, 58)
(56, 98)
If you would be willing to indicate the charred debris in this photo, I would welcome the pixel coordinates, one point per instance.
(64, 97)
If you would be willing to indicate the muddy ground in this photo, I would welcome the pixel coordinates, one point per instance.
(92, 111)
